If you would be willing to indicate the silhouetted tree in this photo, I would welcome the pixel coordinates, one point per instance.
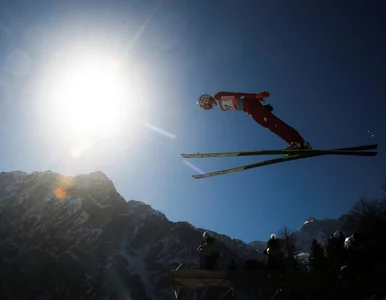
(317, 260)
(368, 217)
(289, 247)
(334, 252)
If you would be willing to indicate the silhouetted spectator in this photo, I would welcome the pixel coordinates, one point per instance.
(209, 252)
(275, 253)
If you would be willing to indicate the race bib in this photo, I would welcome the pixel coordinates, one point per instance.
(226, 103)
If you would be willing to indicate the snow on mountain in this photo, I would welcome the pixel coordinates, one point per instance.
(316, 229)
(76, 237)
(311, 229)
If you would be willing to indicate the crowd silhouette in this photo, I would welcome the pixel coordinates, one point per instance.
(355, 255)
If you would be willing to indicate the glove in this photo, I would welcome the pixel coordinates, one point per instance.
(262, 95)
(269, 107)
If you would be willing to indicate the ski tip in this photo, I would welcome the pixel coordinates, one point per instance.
(370, 146)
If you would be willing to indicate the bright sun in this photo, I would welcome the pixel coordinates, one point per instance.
(87, 97)
(91, 99)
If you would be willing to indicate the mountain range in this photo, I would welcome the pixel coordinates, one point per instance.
(76, 237)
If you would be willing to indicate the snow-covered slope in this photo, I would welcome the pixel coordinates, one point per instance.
(316, 229)
(65, 237)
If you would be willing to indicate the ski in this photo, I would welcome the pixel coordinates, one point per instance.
(342, 151)
(283, 159)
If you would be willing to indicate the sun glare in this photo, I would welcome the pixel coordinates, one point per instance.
(86, 97)
(92, 100)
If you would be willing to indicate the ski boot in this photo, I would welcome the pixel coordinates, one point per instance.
(299, 146)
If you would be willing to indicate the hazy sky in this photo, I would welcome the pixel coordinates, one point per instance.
(324, 64)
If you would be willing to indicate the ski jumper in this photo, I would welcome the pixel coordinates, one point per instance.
(251, 104)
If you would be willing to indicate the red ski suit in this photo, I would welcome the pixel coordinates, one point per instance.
(251, 104)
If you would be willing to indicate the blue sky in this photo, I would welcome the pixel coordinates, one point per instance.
(323, 64)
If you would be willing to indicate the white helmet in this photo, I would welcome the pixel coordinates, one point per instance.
(272, 236)
(206, 235)
(348, 242)
(205, 102)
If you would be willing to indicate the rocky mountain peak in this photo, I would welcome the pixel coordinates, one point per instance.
(104, 246)
(310, 220)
